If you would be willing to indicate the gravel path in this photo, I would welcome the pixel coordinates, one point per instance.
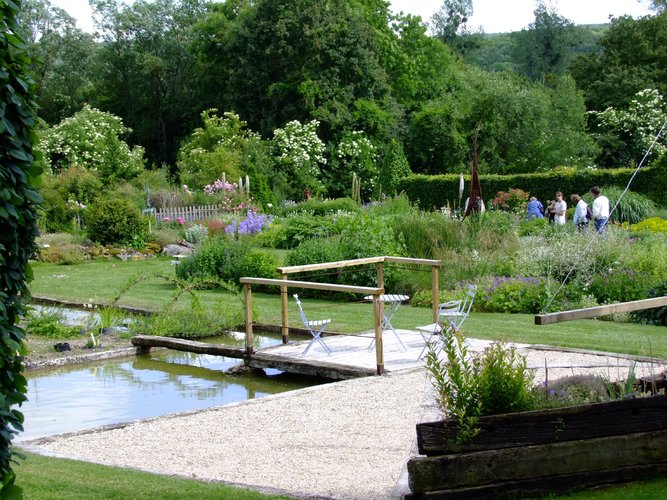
(344, 440)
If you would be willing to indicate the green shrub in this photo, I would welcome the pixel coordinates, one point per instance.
(504, 381)
(114, 220)
(366, 236)
(469, 385)
(55, 217)
(301, 226)
(533, 227)
(67, 254)
(227, 260)
(427, 234)
(620, 285)
(165, 236)
(655, 315)
(196, 233)
(315, 251)
(316, 206)
(513, 295)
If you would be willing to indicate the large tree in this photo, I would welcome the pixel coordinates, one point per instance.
(633, 58)
(289, 60)
(62, 59)
(546, 47)
(145, 71)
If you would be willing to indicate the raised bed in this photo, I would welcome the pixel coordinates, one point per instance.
(537, 452)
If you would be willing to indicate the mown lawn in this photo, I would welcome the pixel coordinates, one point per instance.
(45, 478)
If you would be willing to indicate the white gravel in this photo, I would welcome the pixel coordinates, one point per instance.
(347, 440)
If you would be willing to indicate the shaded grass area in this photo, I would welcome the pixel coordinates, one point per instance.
(100, 280)
(43, 478)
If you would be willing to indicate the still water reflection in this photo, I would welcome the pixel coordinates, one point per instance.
(78, 397)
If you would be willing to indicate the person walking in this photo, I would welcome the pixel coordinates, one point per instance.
(600, 210)
(535, 209)
(580, 220)
(559, 209)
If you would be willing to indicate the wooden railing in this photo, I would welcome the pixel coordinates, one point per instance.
(285, 284)
(596, 312)
(378, 261)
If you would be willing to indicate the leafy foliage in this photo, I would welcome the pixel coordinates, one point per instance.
(47, 323)
(114, 220)
(470, 385)
(227, 260)
(19, 201)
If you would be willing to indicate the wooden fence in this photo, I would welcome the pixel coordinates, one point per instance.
(188, 214)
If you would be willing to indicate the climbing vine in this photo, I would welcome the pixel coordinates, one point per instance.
(19, 200)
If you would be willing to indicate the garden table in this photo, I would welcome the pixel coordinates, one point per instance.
(393, 301)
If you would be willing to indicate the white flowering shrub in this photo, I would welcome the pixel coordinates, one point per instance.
(91, 139)
(355, 154)
(299, 152)
(215, 149)
(637, 126)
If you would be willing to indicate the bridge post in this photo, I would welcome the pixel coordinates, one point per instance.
(249, 341)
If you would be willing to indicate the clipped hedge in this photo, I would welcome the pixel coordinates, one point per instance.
(435, 191)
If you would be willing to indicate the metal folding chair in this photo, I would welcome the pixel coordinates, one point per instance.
(315, 328)
(451, 315)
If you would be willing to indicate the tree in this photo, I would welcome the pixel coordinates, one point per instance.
(546, 47)
(63, 59)
(632, 59)
(627, 134)
(145, 70)
(19, 201)
(524, 126)
(449, 25)
(287, 60)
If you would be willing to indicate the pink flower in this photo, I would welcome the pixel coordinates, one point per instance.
(180, 220)
(166, 219)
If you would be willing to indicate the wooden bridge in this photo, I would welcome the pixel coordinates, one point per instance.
(350, 357)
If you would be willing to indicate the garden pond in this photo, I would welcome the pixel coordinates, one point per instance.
(87, 395)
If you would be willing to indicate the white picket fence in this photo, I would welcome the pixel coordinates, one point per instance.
(188, 214)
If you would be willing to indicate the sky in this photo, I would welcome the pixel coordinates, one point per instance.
(497, 16)
(494, 16)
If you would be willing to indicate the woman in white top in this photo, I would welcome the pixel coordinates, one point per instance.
(560, 209)
(579, 218)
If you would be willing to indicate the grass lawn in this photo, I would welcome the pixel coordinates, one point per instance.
(43, 478)
(100, 280)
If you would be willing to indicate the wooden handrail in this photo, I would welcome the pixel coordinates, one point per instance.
(357, 262)
(313, 285)
(329, 265)
(596, 312)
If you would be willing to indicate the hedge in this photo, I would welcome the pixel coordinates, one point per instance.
(435, 191)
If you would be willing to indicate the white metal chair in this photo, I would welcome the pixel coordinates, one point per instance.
(451, 315)
(315, 328)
